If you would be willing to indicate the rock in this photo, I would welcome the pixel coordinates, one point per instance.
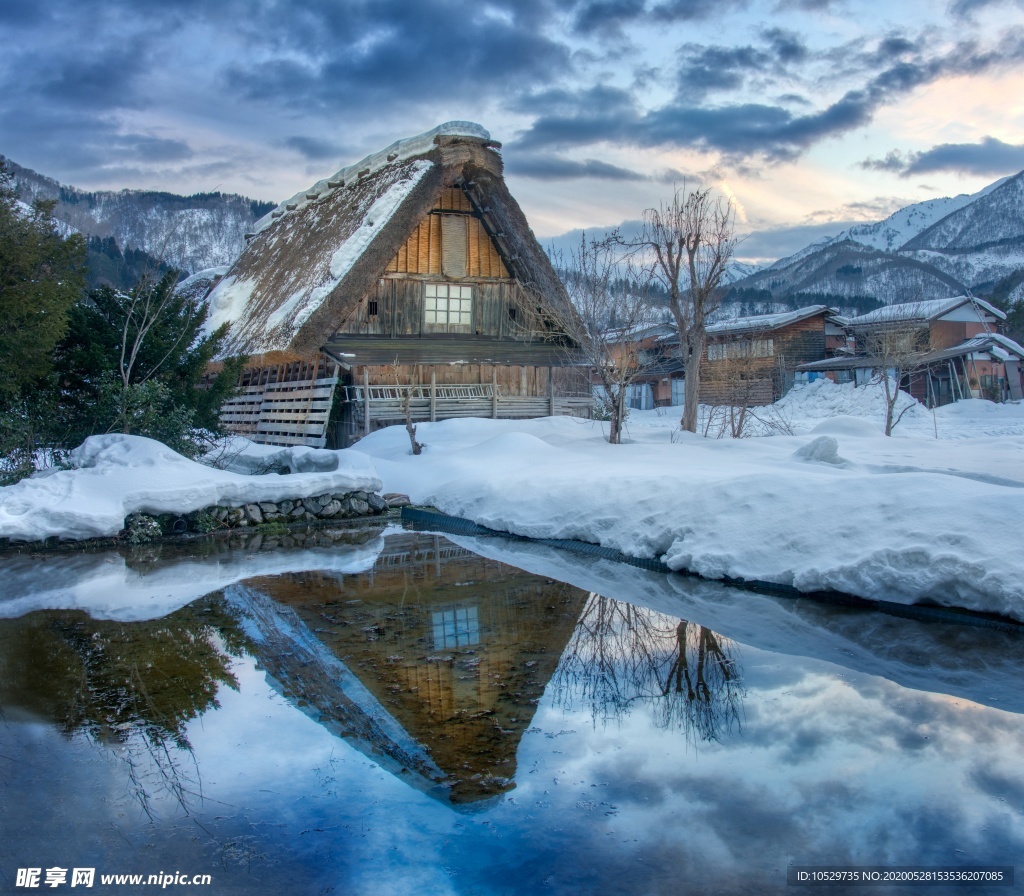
(359, 496)
(377, 503)
(285, 506)
(395, 499)
(268, 507)
(324, 500)
(297, 513)
(311, 505)
(332, 509)
(360, 507)
(253, 514)
(235, 516)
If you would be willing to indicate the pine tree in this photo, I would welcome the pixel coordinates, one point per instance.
(41, 276)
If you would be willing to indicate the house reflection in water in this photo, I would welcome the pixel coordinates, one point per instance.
(454, 649)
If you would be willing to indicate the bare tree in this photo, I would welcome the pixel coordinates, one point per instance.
(606, 322)
(895, 349)
(688, 243)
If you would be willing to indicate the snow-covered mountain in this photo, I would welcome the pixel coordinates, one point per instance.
(928, 250)
(191, 233)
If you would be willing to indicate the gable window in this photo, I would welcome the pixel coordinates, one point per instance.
(447, 308)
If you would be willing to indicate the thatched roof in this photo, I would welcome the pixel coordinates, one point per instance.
(316, 255)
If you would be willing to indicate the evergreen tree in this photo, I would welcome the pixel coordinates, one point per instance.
(41, 276)
(135, 363)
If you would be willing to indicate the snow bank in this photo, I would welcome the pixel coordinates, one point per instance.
(105, 586)
(115, 475)
(858, 513)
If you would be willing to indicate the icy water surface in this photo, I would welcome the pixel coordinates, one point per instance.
(401, 715)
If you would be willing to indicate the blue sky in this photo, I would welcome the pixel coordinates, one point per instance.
(808, 114)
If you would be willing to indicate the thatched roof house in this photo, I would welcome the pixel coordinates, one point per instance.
(413, 259)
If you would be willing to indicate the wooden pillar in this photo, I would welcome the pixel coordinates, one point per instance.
(494, 391)
(433, 394)
(551, 391)
(366, 401)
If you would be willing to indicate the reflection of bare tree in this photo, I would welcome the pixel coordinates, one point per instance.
(620, 655)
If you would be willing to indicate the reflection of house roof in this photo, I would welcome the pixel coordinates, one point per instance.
(456, 650)
(761, 323)
(921, 312)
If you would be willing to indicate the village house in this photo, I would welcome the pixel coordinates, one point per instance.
(408, 284)
(748, 361)
(943, 350)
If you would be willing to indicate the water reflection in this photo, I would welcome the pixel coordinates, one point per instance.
(131, 687)
(453, 650)
(620, 655)
(328, 730)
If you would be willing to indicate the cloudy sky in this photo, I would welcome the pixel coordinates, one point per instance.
(808, 114)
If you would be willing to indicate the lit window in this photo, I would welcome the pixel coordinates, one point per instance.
(447, 306)
(456, 627)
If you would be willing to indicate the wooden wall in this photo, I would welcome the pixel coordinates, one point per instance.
(512, 380)
(422, 252)
(398, 303)
(751, 382)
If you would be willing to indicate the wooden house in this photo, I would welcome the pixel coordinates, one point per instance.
(948, 349)
(409, 282)
(750, 361)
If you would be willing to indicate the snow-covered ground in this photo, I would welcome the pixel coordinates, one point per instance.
(834, 504)
(115, 475)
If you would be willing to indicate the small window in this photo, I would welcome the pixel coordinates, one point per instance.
(455, 627)
(447, 308)
(371, 308)
(512, 312)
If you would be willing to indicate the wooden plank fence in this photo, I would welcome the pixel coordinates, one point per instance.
(444, 402)
(288, 413)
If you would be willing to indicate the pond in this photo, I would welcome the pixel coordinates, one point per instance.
(400, 713)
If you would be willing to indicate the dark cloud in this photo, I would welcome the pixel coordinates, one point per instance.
(787, 46)
(357, 55)
(691, 10)
(990, 156)
(607, 16)
(706, 69)
(315, 148)
(555, 168)
(894, 161)
(965, 9)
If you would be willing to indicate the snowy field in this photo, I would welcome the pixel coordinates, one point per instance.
(834, 504)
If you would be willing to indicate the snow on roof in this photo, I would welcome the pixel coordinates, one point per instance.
(922, 311)
(268, 305)
(399, 151)
(760, 322)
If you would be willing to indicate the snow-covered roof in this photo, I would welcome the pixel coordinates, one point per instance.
(910, 312)
(764, 322)
(316, 255)
(399, 151)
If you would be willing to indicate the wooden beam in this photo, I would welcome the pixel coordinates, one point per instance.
(433, 394)
(366, 401)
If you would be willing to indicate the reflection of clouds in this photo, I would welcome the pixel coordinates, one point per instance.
(828, 769)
